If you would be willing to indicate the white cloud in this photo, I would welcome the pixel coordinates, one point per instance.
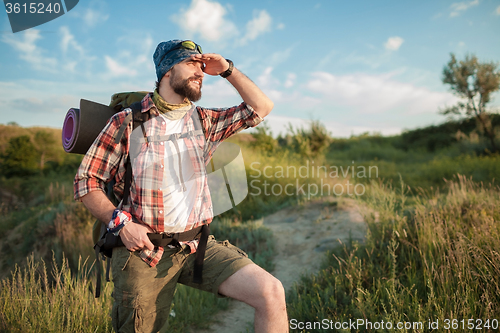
(370, 94)
(68, 39)
(128, 63)
(206, 18)
(458, 7)
(394, 43)
(266, 79)
(290, 80)
(497, 11)
(219, 94)
(25, 44)
(92, 17)
(117, 69)
(258, 25)
(281, 26)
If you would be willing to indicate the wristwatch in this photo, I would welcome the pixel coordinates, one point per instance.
(229, 71)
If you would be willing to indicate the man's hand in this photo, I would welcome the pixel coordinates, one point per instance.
(251, 94)
(214, 63)
(134, 237)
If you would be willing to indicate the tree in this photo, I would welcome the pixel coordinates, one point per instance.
(473, 82)
(46, 147)
(20, 157)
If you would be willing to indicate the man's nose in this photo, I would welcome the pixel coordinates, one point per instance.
(199, 72)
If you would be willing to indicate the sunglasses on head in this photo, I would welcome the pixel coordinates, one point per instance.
(187, 44)
(190, 45)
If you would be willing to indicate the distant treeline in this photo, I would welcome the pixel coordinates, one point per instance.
(431, 138)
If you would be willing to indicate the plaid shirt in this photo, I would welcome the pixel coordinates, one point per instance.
(106, 159)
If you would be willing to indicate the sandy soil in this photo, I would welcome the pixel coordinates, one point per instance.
(303, 233)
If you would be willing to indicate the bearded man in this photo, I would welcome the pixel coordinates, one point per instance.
(169, 195)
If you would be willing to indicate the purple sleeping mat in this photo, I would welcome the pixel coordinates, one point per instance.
(82, 126)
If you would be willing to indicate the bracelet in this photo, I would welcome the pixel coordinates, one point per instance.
(119, 219)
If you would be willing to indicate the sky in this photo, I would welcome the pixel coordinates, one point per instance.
(356, 66)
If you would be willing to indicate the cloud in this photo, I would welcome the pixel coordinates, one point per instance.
(219, 94)
(281, 26)
(129, 63)
(117, 69)
(258, 25)
(290, 80)
(376, 94)
(93, 17)
(25, 44)
(458, 7)
(36, 103)
(497, 11)
(394, 43)
(68, 40)
(206, 18)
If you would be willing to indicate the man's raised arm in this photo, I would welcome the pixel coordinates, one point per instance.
(215, 64)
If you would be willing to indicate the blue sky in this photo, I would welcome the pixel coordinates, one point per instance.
(356, 66)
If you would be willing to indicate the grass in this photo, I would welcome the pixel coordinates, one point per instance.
(33, 300)
(431, 251)
(434, 256)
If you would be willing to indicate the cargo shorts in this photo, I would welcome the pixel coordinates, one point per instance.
(143, 294)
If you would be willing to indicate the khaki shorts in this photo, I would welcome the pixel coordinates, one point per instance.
(143, 294)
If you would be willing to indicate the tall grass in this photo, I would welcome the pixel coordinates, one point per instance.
(33, 300)
(430, 257)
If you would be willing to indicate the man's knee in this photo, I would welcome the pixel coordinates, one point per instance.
(254, 286)
(273, 292)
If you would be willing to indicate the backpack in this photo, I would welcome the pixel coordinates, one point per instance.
(104, 242)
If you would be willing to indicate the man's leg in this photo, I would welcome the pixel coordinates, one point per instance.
(227, 271)
(142, 294)
(259, 289)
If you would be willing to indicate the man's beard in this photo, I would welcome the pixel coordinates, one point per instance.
(182, 87)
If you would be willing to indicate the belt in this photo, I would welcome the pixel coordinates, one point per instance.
(110, 241)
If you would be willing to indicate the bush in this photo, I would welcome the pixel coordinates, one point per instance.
(20, 158)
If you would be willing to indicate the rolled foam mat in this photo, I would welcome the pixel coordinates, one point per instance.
(81, 126)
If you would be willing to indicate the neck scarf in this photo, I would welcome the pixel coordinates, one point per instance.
(171, 111)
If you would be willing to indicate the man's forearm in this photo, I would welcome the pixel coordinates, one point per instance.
(99, 206)
(251, 94)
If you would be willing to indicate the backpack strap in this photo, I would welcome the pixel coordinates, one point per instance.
(104, 247)
(138, 119)
(106, 244)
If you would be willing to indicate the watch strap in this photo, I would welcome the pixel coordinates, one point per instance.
(229, 71)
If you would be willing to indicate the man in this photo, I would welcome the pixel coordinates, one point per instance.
(169, 195)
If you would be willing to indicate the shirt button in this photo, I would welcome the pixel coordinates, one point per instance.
(161, 143)
(161, 212)
(164, 123)
(161, 166)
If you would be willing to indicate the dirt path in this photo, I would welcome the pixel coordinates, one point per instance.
(303, 233)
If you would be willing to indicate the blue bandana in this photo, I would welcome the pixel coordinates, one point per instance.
(168, 54)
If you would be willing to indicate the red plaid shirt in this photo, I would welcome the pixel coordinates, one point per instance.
(106, 159)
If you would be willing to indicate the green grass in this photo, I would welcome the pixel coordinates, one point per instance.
(432, 256)
(33, 300)
(31, 297)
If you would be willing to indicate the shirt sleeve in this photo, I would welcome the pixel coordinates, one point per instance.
(102, 160)
(220, 124)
